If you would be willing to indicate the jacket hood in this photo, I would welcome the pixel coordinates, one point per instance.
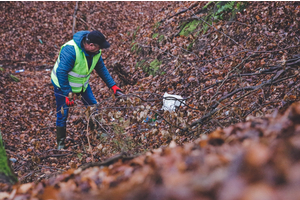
(77, 37)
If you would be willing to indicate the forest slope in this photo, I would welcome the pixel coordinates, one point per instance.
(229, 69)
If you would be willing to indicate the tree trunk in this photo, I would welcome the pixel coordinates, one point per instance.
(6, 172)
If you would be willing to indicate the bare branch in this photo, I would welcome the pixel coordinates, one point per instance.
(74, 18)
(214, 108)
(180, 12)
(109, 161)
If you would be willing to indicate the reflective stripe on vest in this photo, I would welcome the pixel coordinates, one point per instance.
(77, 75)
(78, 84)
(72, 74)
(80, 74)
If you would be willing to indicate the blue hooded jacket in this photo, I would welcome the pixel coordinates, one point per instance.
(67, 61)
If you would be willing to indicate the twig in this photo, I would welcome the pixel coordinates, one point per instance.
(55, 155)
(93, 28)
(227, 76)
(207, 116)
(237, 23)
(297, 61)
(61, 150)
(217, 30)
(274, 50)
(252, 88)
(180, 12)
(82, 145)
(165, 119)
(15, 61)
(103, 128)
(47, 167)
(254, 109)
(74, 18)
(87, 135)
(29, 174)
(146, 46)
(109, 161)
(267, 71)
(248, 88)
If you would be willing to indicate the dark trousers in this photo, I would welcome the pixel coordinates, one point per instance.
(87, 98)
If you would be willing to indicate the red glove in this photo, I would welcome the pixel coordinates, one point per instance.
(115, 89)
(70, 103)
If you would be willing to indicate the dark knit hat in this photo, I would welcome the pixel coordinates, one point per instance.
(98, 38)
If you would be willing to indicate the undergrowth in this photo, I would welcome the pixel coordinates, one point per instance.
(214, 12)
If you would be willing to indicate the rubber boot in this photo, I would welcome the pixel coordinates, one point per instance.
(60, 137)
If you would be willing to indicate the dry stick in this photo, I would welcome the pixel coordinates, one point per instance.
(272, 51)
(87, 135)
(275, 50)
(83, 145)
(252, 88)
(146, 46)
(237, 99)
(15, 61)
(183, 11)
(15, 154)
(103, 128)
(47, 167)
(247, 88)
(218, 30)
(227, 76)
(61, 150)
(296, 57)
(269, 82)
(176, 68)
(202, 119)
(267, 71)
(256, 88)
(29, 174)
(165, 119)
(254, 109)
(93, 28)
(297, 61)
(247, 50)
(109, 161)
(74, 18)
(55, 155)
(237, 23)
(283, 79)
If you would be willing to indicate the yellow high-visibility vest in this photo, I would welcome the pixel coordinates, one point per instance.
(80, 74)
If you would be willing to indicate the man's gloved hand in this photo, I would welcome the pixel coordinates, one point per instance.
(117, 90)
(70, 99)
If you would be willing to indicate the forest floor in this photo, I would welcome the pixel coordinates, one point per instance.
(234, 66)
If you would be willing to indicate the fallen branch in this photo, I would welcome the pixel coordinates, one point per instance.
(15, 61)
(214, 108)
(275, 50)
(218, 30)
(29, 174)
(109, 161)
(248, 88)
(227, 76)
(74, 18)
(289, 64)
(87, 24)
(88, 136)
(180, 12)
(55, 155)
(267, 71)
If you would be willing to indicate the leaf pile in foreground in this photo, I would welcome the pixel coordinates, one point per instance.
(258, 159)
